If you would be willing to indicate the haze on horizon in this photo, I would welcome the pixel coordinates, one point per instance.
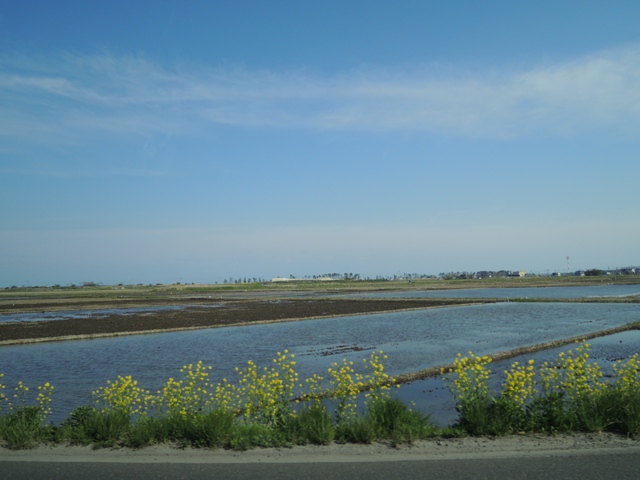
(165, 141)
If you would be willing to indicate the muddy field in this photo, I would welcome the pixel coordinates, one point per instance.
(226, 314)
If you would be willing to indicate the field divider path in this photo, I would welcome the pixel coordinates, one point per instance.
(438, 370)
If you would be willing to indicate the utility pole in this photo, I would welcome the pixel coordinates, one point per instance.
(568, 266)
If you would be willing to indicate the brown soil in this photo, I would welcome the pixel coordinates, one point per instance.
(226, 314)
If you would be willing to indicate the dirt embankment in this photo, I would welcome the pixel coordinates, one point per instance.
(204, 316)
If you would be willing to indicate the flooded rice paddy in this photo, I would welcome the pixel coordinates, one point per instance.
(414, 340)
(432, 396)
(592, 291)
(96, 314)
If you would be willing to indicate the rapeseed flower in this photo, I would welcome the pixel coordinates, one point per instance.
(469, 377)
(123, 394)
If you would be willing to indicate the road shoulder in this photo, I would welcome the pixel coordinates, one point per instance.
(442, 449)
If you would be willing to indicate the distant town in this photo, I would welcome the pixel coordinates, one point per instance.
(457, 275)
(355, 277)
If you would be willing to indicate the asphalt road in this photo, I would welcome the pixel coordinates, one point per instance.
(596, 466)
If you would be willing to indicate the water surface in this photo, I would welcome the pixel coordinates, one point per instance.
(96, 314)
(432, 396)
(593, 291)
(414, 340)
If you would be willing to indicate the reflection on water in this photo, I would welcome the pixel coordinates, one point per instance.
(413, 340)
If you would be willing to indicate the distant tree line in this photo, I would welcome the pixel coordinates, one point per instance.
(350, 276)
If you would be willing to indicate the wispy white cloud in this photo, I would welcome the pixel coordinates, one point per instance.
(70, 95)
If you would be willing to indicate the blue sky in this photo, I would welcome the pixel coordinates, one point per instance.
(164, 141)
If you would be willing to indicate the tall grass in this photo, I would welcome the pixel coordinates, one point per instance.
(271, 406)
